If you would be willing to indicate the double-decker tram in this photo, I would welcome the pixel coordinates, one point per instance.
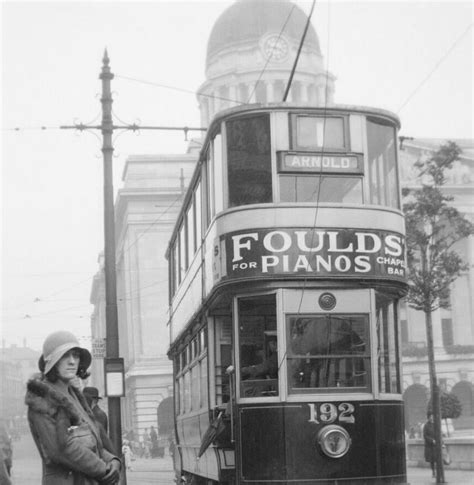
(286, 267)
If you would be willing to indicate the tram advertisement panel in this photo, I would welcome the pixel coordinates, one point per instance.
(352, 253)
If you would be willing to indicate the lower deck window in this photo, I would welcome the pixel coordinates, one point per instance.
(258, 346)
(315, 188)
(328, 352)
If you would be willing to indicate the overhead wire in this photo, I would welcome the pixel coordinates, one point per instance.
(438, 63)
(174, 88)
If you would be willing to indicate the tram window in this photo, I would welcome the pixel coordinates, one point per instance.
(187, 392)
(318, 133)
(308, 188)
(198, 209)
(175, 272)
(387, 348)
(258, 346)
(217, 173)
(249, 161)
(190, 231)
(328, 352)
(223, 353)
(183, 263)
(210, 208)
(382, 173)
(203, 382)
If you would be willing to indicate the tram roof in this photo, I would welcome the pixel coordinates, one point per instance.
(285, 106)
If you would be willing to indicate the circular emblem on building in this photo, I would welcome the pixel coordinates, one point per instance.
(275, 47)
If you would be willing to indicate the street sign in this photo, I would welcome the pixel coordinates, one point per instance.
(98, 348)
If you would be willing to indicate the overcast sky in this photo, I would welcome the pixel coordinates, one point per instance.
(413, 58)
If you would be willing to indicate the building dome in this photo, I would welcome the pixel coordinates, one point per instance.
(248, 20)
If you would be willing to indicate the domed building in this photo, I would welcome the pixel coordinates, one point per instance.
(250, 53)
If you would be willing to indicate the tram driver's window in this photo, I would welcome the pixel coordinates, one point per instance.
(258, 346)
(328, 352)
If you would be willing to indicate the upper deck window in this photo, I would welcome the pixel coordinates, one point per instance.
(383, 177)
(249, 160)
(312, 188)
(319, 133)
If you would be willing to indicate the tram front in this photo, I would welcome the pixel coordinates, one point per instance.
(298, 278)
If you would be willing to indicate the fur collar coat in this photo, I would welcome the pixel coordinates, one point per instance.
(66, 436)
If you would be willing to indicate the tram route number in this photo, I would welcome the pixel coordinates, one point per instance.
(328, 413)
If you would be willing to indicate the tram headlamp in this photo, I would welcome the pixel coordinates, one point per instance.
(334, 441)
(327, 301)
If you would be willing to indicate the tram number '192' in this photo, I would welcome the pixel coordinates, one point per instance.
(327, 413)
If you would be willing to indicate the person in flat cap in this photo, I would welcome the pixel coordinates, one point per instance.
(92, 397)
(63, 427)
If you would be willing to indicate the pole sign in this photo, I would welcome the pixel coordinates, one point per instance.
(319, 253)
(98, 348)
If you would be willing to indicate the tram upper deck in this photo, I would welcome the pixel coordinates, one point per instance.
(286, 192)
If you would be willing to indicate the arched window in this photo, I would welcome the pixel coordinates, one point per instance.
(464, 391)
(416, 400)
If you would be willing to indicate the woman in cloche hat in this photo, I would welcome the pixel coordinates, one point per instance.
(62, 423)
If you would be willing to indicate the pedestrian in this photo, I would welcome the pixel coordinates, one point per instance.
(430, 442)
(4, 474)
(61, 422)
(146, 443)
(92, 397)
(154, 442)
(127, 454)
(6, 448)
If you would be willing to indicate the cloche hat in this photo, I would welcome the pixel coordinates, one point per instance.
(56, 345)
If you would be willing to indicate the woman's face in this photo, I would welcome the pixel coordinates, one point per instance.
(68, 364)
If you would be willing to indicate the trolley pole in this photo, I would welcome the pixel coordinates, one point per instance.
(111, 314)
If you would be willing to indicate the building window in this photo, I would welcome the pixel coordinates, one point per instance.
(404, 331)
(447, 331)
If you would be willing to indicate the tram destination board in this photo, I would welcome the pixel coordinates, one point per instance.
(320, 163)
(351, 253)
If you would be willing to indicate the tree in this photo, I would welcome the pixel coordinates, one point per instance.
(450, 407)
(433, 227)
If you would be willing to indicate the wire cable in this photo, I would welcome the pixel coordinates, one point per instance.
(440, 61)
(174, 88)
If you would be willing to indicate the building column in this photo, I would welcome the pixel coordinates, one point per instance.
(233, 94)
(270, 92)
(304, 92)
(252, 92)
(321, 95)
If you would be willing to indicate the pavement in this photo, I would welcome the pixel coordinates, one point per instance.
(159, 471)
